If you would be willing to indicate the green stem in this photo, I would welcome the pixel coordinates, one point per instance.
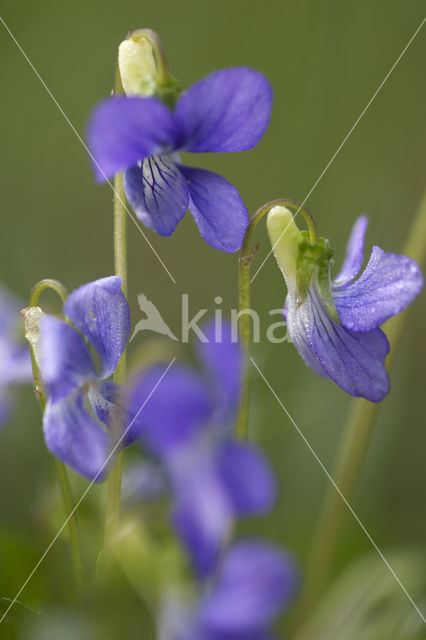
(244, 320)
(60, 467)
(352, 452)
(72, 523)
(120, 232)
(112, 514)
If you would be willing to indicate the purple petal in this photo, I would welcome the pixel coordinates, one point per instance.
(158, 193)
(255, 582)
(123, 131)
(100, 311)
(105, 398)
(167, 412)
(65, 362)
(74, 437)
(202, 528)
(354, 253)
(223, 360)
(227, 111)
(285, 310)
(247, 477)
(299, 325)
(354, 360)
(213, 483)
(5, 404)
(202, 514)
(388, 284)
(10, 317)
(217, 209)
(15, 363)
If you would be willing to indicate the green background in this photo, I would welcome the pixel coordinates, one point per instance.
(325, 59)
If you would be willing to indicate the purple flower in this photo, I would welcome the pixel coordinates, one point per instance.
(214, 482)
(73, 380)
(187, 423)
(335, 324)
(227, 111)
(15, 359)
(254, 584)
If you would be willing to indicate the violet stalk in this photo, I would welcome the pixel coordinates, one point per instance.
(120, 268)
(41, 396)
(244, 323)
(112, 513)
(128, 74)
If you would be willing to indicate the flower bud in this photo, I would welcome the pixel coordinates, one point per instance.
(285, 239)
(142, 68)
(136, 62)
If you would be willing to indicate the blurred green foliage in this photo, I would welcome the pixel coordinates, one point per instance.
(324, 59)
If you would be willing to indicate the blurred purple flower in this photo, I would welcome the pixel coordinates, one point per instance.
(187, 423)
(254, 584)
(15, 358)
(335, 327)
(71, 378)
(143, 482)
(227, 111)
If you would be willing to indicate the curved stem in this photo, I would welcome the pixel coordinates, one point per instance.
(61, 470)
(47, 283)
(244, 321)
(352, 451)
(112, 513)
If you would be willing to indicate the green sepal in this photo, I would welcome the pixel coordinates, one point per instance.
(314, 260)
(169, 92)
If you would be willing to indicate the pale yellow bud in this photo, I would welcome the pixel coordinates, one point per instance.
(285, 239)
(137, 66)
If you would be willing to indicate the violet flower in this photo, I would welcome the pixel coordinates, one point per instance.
(254, 584)
(72, 379)
(15, 359)
(187, 424)
(227, 111)
(334, 324)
